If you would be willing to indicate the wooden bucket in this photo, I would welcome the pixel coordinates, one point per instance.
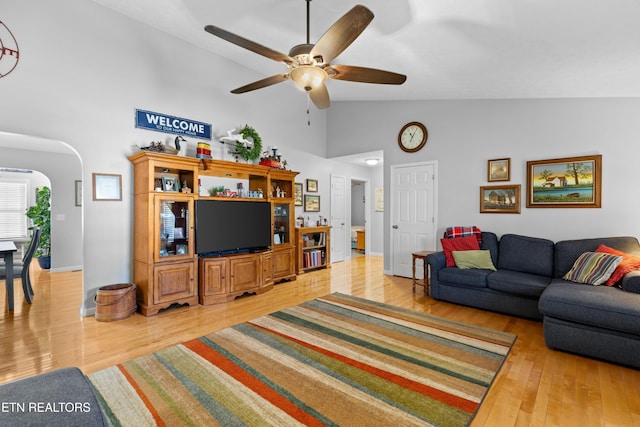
(115, 302)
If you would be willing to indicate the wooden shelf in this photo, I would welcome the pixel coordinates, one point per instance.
(315, 256)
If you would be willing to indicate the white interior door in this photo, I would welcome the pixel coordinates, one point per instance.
(413, 207)
(338, 217)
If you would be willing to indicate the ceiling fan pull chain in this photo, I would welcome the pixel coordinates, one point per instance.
(308, 110)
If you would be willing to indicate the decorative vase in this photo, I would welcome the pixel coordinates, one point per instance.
(44, 262)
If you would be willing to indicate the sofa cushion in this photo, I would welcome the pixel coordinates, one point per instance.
(518, 283)
(593, 268)
(629, 263)
(458, 244)
(490, 243)
(600, 306)
(474, 259)
(526, 254)
(471, 278)
(567, 251)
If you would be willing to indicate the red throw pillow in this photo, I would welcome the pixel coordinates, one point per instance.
(469, 243)
(628, 263)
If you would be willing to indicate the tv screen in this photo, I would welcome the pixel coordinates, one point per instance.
(229, 225)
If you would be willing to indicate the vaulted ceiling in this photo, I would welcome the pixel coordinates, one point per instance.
(462, 49)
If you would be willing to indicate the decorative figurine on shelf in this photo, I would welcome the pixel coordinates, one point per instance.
(185, 189)
(159, 147)
(273, 160)
(182, 148)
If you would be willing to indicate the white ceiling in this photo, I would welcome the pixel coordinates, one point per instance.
(449, 49)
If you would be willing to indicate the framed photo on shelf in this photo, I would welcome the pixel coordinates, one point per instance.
(170, 183)
(500, 199)
(570, 182)
(297, 194)
(107, 187)
(499, 170)
(311, 203)
(312, 185)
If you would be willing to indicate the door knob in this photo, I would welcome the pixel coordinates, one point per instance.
(395, 227)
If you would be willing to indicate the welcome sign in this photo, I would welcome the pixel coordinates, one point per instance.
(171, 124)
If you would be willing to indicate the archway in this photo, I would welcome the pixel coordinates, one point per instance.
(63, 166)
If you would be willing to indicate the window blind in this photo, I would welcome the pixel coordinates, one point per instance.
(13, 207)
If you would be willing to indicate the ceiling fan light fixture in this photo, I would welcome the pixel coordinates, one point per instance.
(308, 77)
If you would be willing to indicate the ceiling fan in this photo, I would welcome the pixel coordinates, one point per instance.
(310, 65)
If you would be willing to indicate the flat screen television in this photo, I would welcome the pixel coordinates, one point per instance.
(231, 225)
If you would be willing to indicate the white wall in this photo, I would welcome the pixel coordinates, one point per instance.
(84, 70)
(463, 135)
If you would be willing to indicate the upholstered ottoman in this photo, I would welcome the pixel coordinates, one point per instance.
(59, 398)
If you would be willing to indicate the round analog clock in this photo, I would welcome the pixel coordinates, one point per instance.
(412, 137)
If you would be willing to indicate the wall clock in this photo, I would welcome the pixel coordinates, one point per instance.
(412, 137)
(9, 53)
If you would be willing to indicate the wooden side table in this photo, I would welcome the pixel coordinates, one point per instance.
(426, 282)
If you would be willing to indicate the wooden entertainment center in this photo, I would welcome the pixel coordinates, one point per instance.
(167, 270)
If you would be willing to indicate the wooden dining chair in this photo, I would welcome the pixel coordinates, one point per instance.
(22, 268)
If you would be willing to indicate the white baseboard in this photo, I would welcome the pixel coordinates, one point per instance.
(61, 269)
(87, 312)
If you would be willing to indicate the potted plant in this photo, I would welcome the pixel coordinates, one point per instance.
(40, 215)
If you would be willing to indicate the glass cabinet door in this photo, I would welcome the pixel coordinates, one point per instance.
(173, 227)
(281, 231)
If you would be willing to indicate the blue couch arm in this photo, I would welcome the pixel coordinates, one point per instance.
(436, 261)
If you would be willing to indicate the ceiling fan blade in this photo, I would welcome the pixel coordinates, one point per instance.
(320, 97)
(278, 78)
(342, 33)
(248, 44)
(365, 75)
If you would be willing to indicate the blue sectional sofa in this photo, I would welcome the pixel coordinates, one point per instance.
(596, 321)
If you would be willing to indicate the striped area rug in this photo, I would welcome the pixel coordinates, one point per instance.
(335, 360)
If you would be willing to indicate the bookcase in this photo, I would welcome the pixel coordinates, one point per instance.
(314, 248)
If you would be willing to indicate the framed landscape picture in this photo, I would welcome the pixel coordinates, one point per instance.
(499, 170)
(500, 199)
(571, 182)
(311, 203)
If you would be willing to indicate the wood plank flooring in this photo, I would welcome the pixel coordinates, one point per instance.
(535, 387)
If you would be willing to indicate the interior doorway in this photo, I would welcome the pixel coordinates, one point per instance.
(413, 213)
(360, 220)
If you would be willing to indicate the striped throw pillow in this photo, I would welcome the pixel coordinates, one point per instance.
(593, 268)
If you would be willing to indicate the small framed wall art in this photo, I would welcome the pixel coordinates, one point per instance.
(500, 199)
(311, 203)
(312, 185)
(78, 193)
(499, 170)
(107, 187)
(297, 194)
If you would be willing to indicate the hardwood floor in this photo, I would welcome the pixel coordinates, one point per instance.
(535, 387)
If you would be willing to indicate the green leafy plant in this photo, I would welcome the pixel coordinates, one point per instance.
(213, 191)
(40, 215)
